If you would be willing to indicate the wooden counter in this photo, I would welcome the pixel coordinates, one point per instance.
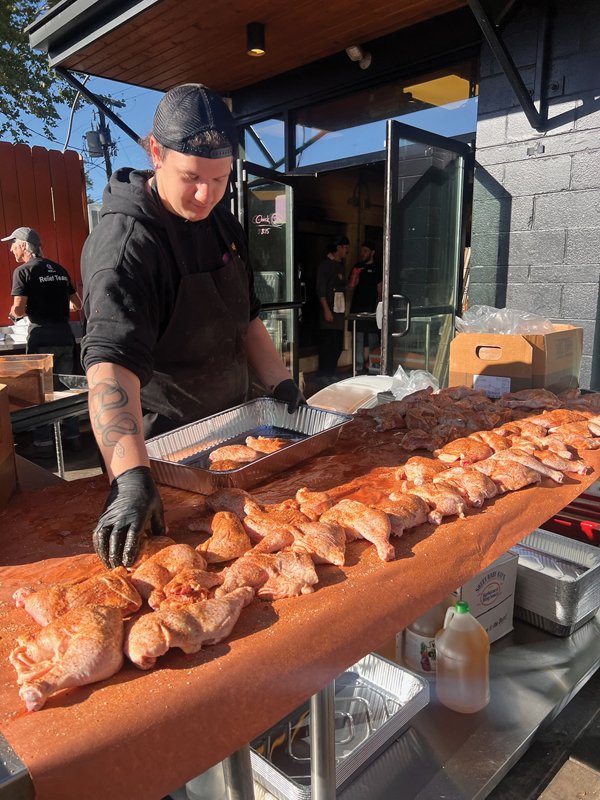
(142, 734)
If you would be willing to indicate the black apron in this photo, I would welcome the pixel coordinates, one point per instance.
(200, 364)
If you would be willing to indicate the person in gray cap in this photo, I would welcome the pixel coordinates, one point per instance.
(172, 316)
(42, 290)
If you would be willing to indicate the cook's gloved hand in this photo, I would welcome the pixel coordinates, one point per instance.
(288, 392)
(133, 503)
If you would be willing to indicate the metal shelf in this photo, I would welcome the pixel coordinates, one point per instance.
(464, 757)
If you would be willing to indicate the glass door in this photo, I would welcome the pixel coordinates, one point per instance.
(422, 248)
(265, 209)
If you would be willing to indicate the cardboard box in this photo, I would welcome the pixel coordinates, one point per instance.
(500, 363)
(28, 378)
(491, 595)
(8, 473)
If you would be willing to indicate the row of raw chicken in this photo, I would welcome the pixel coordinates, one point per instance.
(271, 550)
(426, 421)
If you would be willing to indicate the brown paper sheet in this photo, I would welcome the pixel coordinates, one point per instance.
(142, 734)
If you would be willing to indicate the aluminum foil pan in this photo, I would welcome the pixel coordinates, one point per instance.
(558, 582)
(374, 702)
(180, 458)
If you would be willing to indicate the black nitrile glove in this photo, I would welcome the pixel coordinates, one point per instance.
(288, 392)
(132, 503)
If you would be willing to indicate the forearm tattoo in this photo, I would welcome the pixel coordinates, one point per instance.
(106, 397)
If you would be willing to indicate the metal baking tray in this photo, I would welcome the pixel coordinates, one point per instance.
(180, 458)
(558, 582)
(374, 702)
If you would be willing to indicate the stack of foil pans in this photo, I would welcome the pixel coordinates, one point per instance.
(558, 582)
(375, 701)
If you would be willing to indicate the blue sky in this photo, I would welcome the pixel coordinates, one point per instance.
(138, 113)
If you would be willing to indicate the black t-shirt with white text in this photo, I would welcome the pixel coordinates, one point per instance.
(47, 287)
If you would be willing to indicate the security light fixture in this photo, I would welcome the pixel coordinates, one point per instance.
(255, 39)
(356, 53)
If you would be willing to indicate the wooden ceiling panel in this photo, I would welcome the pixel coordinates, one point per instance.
(182, 40)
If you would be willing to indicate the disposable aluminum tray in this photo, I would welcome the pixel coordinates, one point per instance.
(375, 701)
(558, 582)
(180, 458)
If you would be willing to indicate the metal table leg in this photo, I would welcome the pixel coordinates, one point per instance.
(59, 450)
(238, 775)
(322, 744)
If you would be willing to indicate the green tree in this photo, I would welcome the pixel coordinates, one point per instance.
(27, 84)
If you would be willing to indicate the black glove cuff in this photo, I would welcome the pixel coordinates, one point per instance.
(144, 471)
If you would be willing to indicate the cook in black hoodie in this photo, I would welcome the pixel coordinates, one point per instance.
(172, 316)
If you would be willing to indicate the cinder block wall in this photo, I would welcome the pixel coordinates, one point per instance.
(536, 203)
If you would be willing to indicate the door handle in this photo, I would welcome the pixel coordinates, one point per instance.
(408, 320)
(302, 292)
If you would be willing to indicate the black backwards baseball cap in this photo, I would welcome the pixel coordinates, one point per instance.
(188, 111)
(24, 235)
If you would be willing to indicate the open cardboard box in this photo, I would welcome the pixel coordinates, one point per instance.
(500, 363)
(28, 378)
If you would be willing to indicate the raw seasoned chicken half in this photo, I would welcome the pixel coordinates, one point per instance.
(83, 646)
(162, 567)
(106, 589)
(189, 627)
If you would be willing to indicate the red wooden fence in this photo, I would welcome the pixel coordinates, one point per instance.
(45, 190)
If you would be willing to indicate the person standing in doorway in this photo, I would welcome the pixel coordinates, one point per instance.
(331, 285)
(366, 282)
(43, 291)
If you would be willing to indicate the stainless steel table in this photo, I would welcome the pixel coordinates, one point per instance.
(464, 757)
(68, 403)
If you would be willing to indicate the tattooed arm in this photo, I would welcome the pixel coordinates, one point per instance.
(116, 417)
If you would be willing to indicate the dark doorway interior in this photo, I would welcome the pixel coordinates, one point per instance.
(347, 202)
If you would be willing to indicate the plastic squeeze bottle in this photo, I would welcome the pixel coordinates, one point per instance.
(419, 637)
(463, 661)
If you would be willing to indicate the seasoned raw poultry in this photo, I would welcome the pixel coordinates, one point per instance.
(528, 460)
(419, 469)
(551, 459)
(273, 575)
(465, 450)
(227, 499)
(189, 627)
(266, 444)
(187, 586)
(162, 567)
(106, 589)
(229, 540)
(530, 398)
(361, 521)
(233, 452)
(83, 646)
(405, 511)
(474, 486)
(324, 543)
(509, 476)
(443, 500)
(224, 465)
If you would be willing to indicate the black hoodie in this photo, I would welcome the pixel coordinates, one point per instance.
(130, 276)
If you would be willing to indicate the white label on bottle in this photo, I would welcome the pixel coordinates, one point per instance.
(419, 651)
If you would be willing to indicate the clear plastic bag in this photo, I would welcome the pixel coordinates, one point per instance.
(405, 383)
(486, 319)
